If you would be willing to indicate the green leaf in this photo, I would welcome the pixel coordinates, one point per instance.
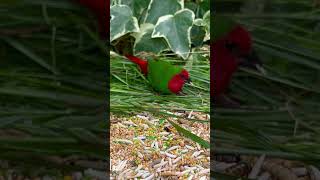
(197, 33)
(206, 23)
(161, 121)
(144, 41)
(122, 21)
(157, 9)
(204, 7)
(198, 7)
(137, 6)
(190, 135)
(176, 30)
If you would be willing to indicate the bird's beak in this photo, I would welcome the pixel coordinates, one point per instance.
(188, 81)
(252, 61)
(261, 69)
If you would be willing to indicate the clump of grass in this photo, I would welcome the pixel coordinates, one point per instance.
(131, 91)
(53, 82)
(54, 79)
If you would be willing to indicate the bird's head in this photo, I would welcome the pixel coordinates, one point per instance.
(184, 74)
(236, 41)
(239, 44)
(234, 36)
(177, 82)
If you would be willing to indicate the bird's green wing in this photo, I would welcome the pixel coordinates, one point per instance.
(160, 73)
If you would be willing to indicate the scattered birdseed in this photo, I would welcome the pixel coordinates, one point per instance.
(121, 125)
(150, 177)
(197, 153)
(147, 151)
(176, 160)
(125, 141)
(145, 126)
(172, 148)
(140, 155)
(130, 123)
(184, 151)
(204, 171)
(143, 117)
(164, 133)
(190, 114)
(138, 168)
(170, 162)
(160, 164)
(190, 147)
(203, 178)
(170, 155)
(158, 151)
(190, 177)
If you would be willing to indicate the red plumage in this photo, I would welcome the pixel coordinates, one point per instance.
(224, 61)
(242, 39)
(176, 84)
(223, 66)
(143, 64)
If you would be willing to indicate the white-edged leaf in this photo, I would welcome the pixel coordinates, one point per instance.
(198, 22)
(198, 32)
(206, 24)
(176, 31)
(122, 21)
(137, 6)
(144, 41)
(158, 8)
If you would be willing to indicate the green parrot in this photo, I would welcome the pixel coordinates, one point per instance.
(162, 75)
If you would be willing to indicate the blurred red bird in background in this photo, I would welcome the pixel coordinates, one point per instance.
(231, 48)
(101, 11)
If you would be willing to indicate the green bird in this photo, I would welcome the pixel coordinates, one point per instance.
(163, 76)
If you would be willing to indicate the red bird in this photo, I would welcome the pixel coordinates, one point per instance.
(232, 49)
(163, 76)
(101, 10)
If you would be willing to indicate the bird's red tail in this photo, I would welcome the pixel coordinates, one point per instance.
(143, 64)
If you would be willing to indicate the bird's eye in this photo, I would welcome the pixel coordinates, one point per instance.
(231, 46)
